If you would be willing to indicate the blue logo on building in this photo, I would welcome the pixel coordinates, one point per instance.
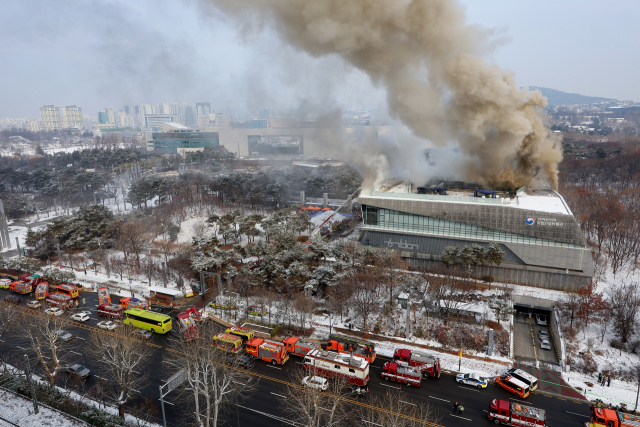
(530, 220)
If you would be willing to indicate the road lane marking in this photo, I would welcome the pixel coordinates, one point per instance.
(21, 348)
(75, 352)
(437, 398)
(402, 401)
(80, 338)
(470, 389)
(170, 363)
(458, 416)
(104, 379)
(390, 386)
(274, 367)
(518, 400)
(279, 395)
(580, 415)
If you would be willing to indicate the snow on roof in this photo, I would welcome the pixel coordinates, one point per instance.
(318, 219)
(166, 291)
(547, 201)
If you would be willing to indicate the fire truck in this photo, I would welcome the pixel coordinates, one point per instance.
(130, 302)
(427, 363)
(42, 290)
(21, 287)
(612, 418)
(227, 342)
(267, 350)
(344, 344)
(32, 279)
(403, 374)
(112, 311)
(245, 333)
(5, 283)
(513, 385)
(194, 314)
(298, 346)
(516, 414)
(59, 300)
(330, 364)
(103, 296)
(69, 290)
(187, 326)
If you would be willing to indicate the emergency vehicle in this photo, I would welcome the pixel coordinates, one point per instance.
(427, 363)
(612, 418)
(513, 385)
(187, 326)
(21, 287)
(344, 344)
(112, 311)
(5, 283)
(70, 290)
(130, 302)
(194, 314)
(403, 374)
(42, 290)
(298, 346)
(245, 333)
(227, 342)
(331, 364)
(59, 300)
(516, 414)
(267, 350)
(103, 296)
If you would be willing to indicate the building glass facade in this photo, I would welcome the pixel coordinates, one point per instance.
(387, 219)
(169, 142)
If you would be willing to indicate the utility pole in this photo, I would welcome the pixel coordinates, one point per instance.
(33, 392)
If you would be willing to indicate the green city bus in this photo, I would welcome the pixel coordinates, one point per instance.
(148, 320)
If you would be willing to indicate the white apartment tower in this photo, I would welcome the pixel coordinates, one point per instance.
(73, 117)
(50, 118)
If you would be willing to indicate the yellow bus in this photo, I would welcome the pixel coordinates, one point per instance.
(150, 321)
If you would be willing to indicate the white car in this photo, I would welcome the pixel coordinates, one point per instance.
(545, 345)
(541, 320)
(34, 304)
(80, 317)
(472, 379)
(54, 310)
(107, 324)
(316, 382)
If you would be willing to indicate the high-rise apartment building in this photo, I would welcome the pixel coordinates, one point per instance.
(103, 117)
(202, 108)
(189, 115)
(34, 126)
(112, 116)
(50, 118)
(73, 117)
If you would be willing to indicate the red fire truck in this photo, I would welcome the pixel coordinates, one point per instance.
(427, 363)
(42, 290)
(513, 385)
(331, 364)
(130, 302)
(187, 326)
(298, 346)
(403, 374)
(21, 287)
(112, 311)
(194, 314)
(70, 290)
(62, 301)
(103, 296)
(516, 414)
(612, 418)
(358, 347)
(267, 350)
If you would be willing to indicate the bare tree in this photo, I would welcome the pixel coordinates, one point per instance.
(445, 293)
(624, 301)
(118, 266)
(149, 267)
(120, 357)
(396, 409)
(392, 270)
(304, 306)
(310, 407)
(46, 336)
(364, 298)
(212, 387)
(8, 321)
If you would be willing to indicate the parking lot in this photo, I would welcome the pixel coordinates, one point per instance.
(526, 333)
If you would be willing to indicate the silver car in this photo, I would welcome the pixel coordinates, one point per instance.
(545, 345)
(78, 370)
(543, 335)
(541, 320)
(64, 335)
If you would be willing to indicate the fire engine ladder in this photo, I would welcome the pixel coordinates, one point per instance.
(317, 230)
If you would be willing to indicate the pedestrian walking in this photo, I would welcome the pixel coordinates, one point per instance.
(609, 382)
(600, 377)
(455, 408)
(460, 409)
(603, 381)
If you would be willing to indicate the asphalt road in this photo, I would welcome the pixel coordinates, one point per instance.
(265, 404)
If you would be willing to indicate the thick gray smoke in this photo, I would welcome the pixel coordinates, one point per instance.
(437, 83)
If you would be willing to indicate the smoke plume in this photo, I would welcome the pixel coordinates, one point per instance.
(436, 81)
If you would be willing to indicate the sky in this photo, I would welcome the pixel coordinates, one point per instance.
(108, 53)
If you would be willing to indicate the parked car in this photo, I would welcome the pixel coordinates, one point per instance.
(543, 335)
(34, 304)
(241, 361)
(545, 345)
(64, 335)
(108, 325)
(316, 382)
(80, 317)
(12, 299)
(472, 379)
(143, 333)
(541, 320)
(78, 370)
(54, 311)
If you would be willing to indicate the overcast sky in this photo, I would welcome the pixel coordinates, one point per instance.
(112, 52)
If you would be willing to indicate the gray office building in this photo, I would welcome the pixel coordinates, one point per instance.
(541, 239)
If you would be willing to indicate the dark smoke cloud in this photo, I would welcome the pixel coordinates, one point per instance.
(437, 83)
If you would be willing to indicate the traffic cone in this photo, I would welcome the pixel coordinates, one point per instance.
(367, 389)
(387, 394)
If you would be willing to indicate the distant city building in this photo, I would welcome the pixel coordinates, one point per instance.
(266, 112)
(258, 123)
(112, 116)
(103, 117)
(178, 139)
(34, 126)
(203, 108)
(50, 118)
(88, 123)
(214, 121)
(163, 109)
(189, 115)
(73, 117)
(155, 121)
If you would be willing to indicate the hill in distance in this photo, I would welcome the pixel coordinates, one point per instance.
(556, 97)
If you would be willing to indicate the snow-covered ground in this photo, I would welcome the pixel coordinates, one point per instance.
(19, 410)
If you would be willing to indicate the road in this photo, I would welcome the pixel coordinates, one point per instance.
(259, 409)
